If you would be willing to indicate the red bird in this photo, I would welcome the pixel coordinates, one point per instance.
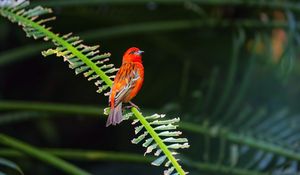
(127, 83)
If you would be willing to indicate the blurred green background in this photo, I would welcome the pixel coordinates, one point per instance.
(229, 69)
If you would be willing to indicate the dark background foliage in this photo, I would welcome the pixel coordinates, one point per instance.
(200, 73)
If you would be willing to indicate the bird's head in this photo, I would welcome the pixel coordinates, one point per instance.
(133, 54)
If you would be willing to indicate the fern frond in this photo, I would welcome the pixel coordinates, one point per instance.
(11, 165)
(248, 138)
(163, 141)
(10, 3)
(83, 59)
(87, 60)
(81, 67)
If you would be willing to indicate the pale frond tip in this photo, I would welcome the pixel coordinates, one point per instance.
(11, 3)
(166, 130)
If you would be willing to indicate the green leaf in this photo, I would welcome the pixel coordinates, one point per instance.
(11, 165)
(41, 155)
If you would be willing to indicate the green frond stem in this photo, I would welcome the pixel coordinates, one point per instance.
(256, 3)
(158, 140)
(110, 32)
(236, 101)
(209, 167)
(41, 155)
(97, 155)
(39, 109)
(241, 139)
(133, 29)
(85, 155)
(20, 116)
(196, 128)
(212, 86)
(237, 44)
(24, 52)
(62, 42)
(94, 111)
(60, 108)
(21, 53)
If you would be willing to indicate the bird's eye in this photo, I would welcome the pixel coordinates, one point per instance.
(132, 52)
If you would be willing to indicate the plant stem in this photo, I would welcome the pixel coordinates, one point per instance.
(237, 44)
(85, 155)
(57, 39)
(243, 140)
(224, 169)
(237, 100)
(254, 3)
(93, 155)
(195, 128)
(24, 52)
(51, 107)
(21, 53)
(59, 108)
(158, 140)
(41, 155)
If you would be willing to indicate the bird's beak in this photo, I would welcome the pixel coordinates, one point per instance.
(140, 52)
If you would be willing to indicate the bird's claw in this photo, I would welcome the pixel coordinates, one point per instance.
(134, 105)
(131, 105)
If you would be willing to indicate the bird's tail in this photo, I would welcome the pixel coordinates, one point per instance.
(115, 115)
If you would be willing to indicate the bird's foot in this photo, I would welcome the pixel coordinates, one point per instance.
(132, 105)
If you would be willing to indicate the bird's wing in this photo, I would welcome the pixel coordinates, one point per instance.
(126, 82)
